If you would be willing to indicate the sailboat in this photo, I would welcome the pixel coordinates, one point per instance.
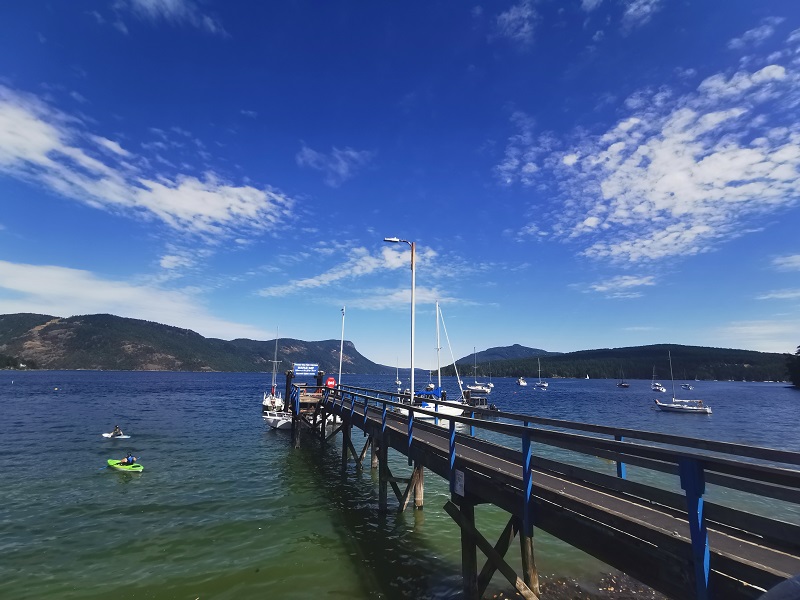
(435, 391)
(656, 386)
(273, 405)
(541, 385)
(397, 381)
(273, 401)
(622, 383)
(681, 406)
(477, 388)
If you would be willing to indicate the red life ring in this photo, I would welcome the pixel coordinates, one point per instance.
(330, 382)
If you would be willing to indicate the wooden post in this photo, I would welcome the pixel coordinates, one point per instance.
(375, 446)
(383, 475)
(693, 482)
(345, 444)
(529, 573)
(469, 550)
(419, 487)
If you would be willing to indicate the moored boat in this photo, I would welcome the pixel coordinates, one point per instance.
(278, 419)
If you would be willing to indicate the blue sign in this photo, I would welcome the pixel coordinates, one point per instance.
(301, 369)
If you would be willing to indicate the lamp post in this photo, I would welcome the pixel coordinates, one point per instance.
(413, 247)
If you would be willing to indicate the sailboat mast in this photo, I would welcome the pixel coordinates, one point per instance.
(669, 353)
(275, 362)
(438, 348)
(341, 349)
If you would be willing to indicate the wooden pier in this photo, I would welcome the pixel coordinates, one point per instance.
(675, 542)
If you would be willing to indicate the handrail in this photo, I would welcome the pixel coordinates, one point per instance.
(755, 471)
(757, 452)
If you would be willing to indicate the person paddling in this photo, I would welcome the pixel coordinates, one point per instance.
(117, 431)
(128, 460)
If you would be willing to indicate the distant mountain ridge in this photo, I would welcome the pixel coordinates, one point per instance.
(109, 342)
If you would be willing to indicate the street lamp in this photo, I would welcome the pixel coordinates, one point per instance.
(413, 247)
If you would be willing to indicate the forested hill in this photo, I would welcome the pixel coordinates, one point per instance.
(688, 362)
(108, 342)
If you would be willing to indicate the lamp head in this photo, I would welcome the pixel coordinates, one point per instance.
(394, 240)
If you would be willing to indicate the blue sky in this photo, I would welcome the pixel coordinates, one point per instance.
(576, 174)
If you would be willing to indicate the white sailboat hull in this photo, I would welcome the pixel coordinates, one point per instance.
(684, 406)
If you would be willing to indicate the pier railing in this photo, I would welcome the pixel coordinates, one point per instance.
(675, 541)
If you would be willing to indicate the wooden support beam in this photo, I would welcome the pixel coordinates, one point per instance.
(334, 432)
(419, 487)
(412, 485)
(393, 481)
(345, 444)
(383, 473)
(468, 524)
(360, 460)
(375, 450)
(465, 517)
(529, 573)
(501, 547)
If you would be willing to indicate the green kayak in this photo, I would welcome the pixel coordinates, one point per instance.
(134, 468)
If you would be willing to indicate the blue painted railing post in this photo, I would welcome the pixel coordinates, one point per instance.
(620, 464)
(693, 482)
(527, 485)
(410, 434)
(436, 410)
(452, 456)
(296, 401)
(383, 419)
(472, 426)
(352, 405)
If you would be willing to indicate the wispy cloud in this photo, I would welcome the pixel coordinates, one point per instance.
(780, 295)
(249, 113)
(757, 35)
(517, 23)
(65, 292)
(638, 12)
(622, 286)
(179, 12)
(678, 174)
(338, 166)
(359, 263)
(41, 144)
(590, 5)
(787, 263)
(763, 336)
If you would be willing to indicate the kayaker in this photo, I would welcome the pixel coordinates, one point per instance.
(117, 431)
(128, 460)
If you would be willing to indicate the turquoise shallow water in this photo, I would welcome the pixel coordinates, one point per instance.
(225, 509)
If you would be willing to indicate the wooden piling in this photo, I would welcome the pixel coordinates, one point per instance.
(419, 486)
(469, 549)
(375, 446)
(383, 475)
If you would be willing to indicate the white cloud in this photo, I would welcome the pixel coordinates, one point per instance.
(757, 35)
(338, 166)
(62, 291)
(590, 5)
(41, 144)
(763, 336)
(675, 175)
(780, 295)
(181, 12)
(638, 12)
(622, 286)
(787, 263)
(359, 263)
(249, 113)
(517, 23)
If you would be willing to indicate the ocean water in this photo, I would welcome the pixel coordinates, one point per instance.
(226, 509)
